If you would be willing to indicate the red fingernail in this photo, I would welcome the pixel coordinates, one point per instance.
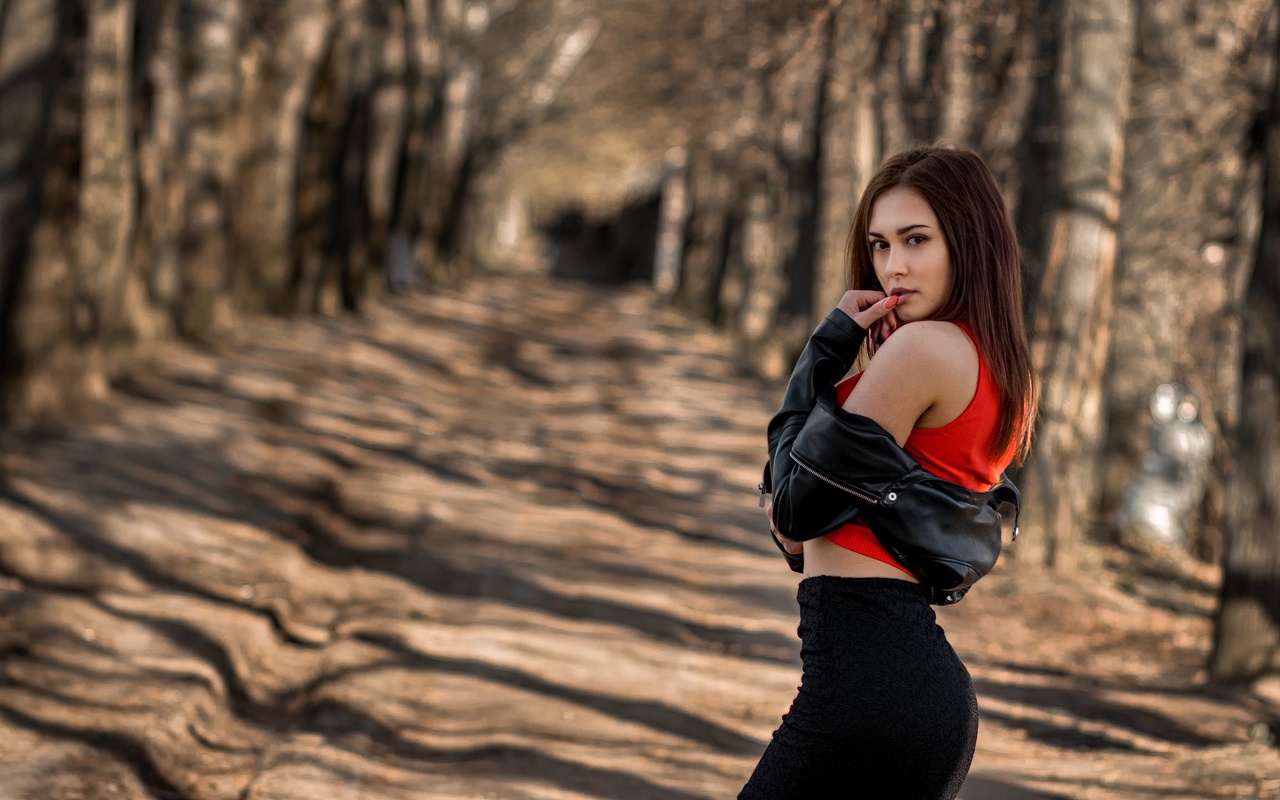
(891, 301)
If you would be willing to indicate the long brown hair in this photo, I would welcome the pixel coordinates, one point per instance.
(986, 279)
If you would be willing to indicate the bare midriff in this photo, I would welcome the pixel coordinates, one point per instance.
(822, 557)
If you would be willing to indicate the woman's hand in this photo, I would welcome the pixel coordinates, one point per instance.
(794, 548)
(872, 310)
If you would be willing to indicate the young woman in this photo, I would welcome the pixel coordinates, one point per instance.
(944, 404)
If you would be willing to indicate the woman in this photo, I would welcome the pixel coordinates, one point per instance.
(885, 707)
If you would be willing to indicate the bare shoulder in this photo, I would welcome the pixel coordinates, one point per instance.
(931, 344)
(924, 374)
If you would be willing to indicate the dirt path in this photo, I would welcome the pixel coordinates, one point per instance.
(503, 543)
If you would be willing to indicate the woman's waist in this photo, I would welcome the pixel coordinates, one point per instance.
(824, 557)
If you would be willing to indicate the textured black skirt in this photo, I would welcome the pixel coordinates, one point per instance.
(885, 708)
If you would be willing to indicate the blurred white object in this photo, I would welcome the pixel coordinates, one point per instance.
(1170, 483)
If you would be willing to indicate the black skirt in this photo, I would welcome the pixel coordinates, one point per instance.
(885, 708)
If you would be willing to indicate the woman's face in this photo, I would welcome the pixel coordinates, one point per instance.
(909, 253)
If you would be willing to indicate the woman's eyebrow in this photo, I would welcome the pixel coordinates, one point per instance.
(901, 231)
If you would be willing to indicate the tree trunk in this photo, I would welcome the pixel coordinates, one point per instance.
(351, 165)
(673, 217)
(1247, 634)
(265, 212)
(422, 52)
(448, 167)
(203, 310)
(107, 206)
(152, 282)
(390, 116)
(1038, 159)
(28, 66)
(708, 233)
(957, 53)
(51, 317)
(770, 258)
(318, 152)
(850, 146)
(713, 159)
(1006, 58)
(1074, 309)
(917, 20)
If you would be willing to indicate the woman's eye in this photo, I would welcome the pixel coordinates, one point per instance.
(916, 238)
(879, 245)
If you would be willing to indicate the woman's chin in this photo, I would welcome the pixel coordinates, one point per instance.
(913, 312)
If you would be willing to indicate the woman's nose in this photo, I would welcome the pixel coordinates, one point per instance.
(895, 263)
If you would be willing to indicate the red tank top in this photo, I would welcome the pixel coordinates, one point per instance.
(956, 451)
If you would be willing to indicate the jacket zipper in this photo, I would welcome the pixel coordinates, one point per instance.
(863, 496)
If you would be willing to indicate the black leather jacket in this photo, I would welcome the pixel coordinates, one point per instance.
(827, 467)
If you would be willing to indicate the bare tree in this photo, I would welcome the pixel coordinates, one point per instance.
(106, 211)
(211, 32)
(287, 42)
(850, 144)
(389, 112)
(1247, 632)
(52, 318)
(712, 166)
(155, 255)
(28, 64)
(1073, 313)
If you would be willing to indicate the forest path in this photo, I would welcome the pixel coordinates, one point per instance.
(503, 542)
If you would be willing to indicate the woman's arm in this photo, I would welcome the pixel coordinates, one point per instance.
(829, 354)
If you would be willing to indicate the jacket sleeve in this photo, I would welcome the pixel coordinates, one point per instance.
(829, 355)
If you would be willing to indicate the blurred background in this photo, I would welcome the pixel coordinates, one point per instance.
(229, 228)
